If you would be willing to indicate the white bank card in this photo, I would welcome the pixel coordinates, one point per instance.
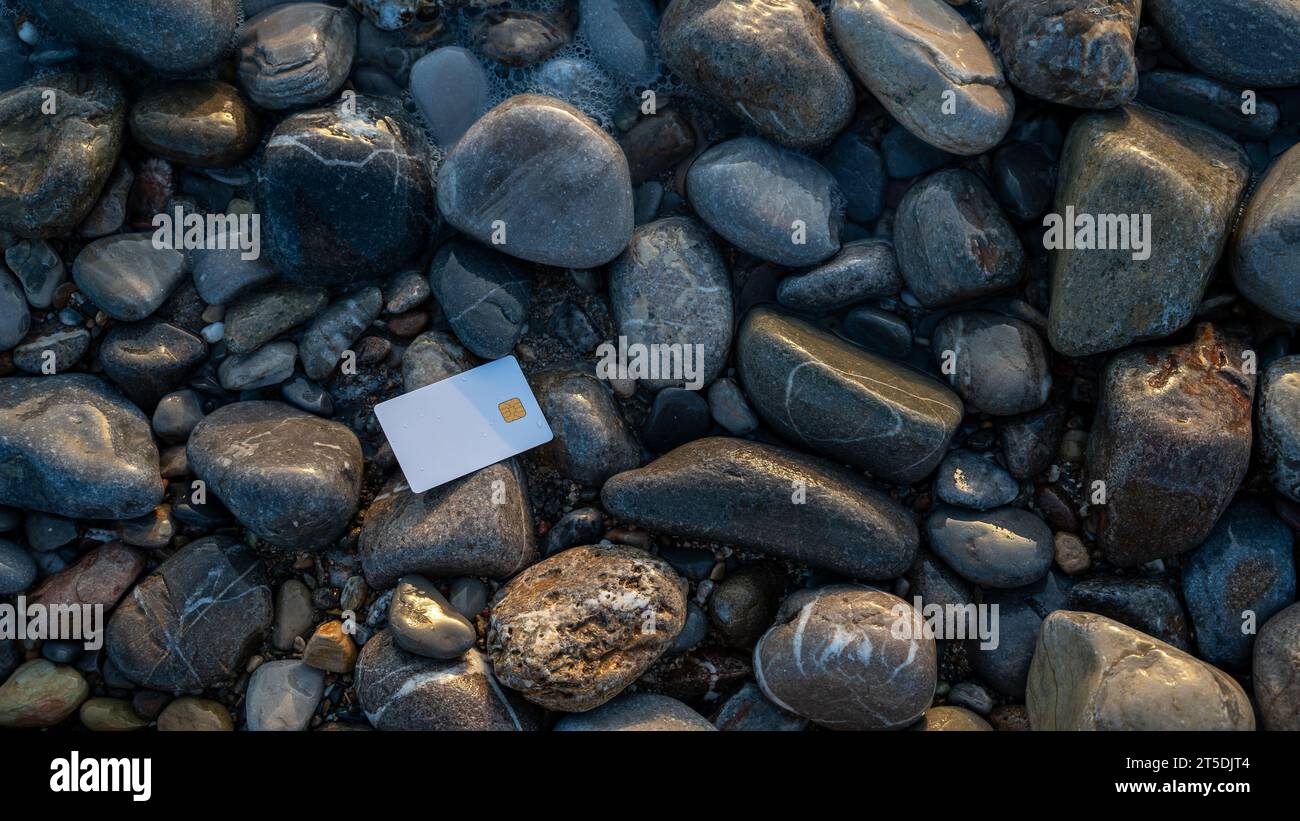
(466, 422)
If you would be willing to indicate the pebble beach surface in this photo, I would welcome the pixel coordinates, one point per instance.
(984, 307)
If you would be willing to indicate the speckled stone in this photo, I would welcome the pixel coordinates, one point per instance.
(1251, 42)
(1279, 424)
(1000, 364)
(1146, 604)
(1171, 440)
(592, 441)
(203, 123)
(296, 54)
(292, 478)
(485, 296)
(1092, 673)
(572, 631)
(837, 399)
(149, 359)
(283, 696)
(747, 493)
(772, 67)
(917, 55)
(192, 622)
(336, 329)
(1207, 100)
(455, 529)
(268, 312)
(41, 694)
(1265, 252)
(862, 270)
(432, 357)
(637, 712)
(99, 577)
(539, 168)
(814, 661)
(1277, 668)
(189, 714)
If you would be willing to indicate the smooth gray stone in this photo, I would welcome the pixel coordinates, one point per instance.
(66, 347)
(757, 196)
(729, 408)
(1171, 441)
(772, 67)
(937, 583)
(918, 56)
(953, 242)
(109, 211)
(622, 36)
(972, 481)
(1279, 424)
(1073, 52)
(335, 329)
(294, 614)
(640, 712)
(749, 710)
(539, 168)
(877, 330)
(222, 275)
(424, 623)
(169, 36)
(1276, 668)
(265, 314)
(1245, 568)
(269, 365)
(1146, 604)
(742, 606)
(1265, 251)
(1000, 363)
(176, 415)
(296, 54)
(1020, 616)
(695, 631)
(192, 622)
(47, 532)
(671, 287)
(283, 695)
(450, 91)
(151, 358)
(15, 316)
(810, 663)
(747, 493)
(849, 404)
(53, 166)
(127, 275)
(292, 478)
(1006, 547)
(17, 569)
(1211, 102)
(1134, 160)
(74, 446)
(455, 529)
(1255, 43)
(592, 442)
(38, 268)
(406, 291)
(855, 162)
(485, 296)
(402, 691)
(432, 357)
(468, 596)
(862, 270)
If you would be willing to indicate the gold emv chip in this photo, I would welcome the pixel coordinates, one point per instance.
(512, 410)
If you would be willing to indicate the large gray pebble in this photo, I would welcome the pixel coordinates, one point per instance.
(485, 296)
(862, 270)
(1006, 547)
(169, 36)
(999, 363)
(969, 480)
(296, 54)
(283, 695)
(127, 274)
(637, 712)
(1279, 424)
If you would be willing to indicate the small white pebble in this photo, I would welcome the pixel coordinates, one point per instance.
(214, 333)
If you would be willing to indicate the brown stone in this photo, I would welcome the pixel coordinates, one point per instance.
(189, 714)
(331, 649)
(99, 577)
(41, 694)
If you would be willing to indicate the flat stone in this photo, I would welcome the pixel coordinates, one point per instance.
(128, 275)
(107, 715)
(73, 445)
(294, 55)
(1279, 424)
(671, 287)
(294, 614)
(189, 714)
(262, 316)
(951, 719)
(1000, 363)
(335, 329)
(192, 622)
(917, 55)
(41, 694)
(769, 202)
(1276, 668)
(455, 529)
(728, 407)
(61, 350)
(1145, 604)
(746, 493)
(953, 241)
(1250, 43)
(1171, 440)
(38, 268)
(1092, 673)
(450, 91)
(1006, 547)
(773, 69)
(543, 172)
(594, 442)
(1077, 52)
(171, 37)
(1134, 160)
(401, 691)
(1264, 251)
(432, 357)
(972, 481)
(53, 166)
(749, 710)
(814, 661)
(423, 622)
(203, 123)
(862, 270)
(100, 577)
(269, 365)
(572, 631)
(623, 36)
(17, 568)
(345, 191)
(283, 695)
(520, 38)
(292, 478)
(223, 275)
(485, 295)
(1207, 100)
(839, 400)
(637, 712)
(1245, 569)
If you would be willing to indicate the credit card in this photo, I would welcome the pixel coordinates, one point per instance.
(464, 423)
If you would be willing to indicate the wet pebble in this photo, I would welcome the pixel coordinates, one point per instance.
(128, 275)
(296, 54)
(485, 295)
(203, 123)
(283, 695)
(969, 480)
(862, 270)
(423, 622)
(594, 442)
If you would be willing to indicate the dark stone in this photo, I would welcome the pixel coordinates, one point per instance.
(657, 144)
(971, 481)
(585, 525)
(520, 38)
(1003, 548)
(1024, 177)
(1020, 614)
(678, 416)
(999, 363)
(592, 442)
(1250, 42)
(1030, 442)
(860, 172)
(862, 270)
(637, 712)
(1264, 252)
(485, 296)
(1212, 102)
(878, 331)
(203, 123)
(1149, 605)
(742, 607)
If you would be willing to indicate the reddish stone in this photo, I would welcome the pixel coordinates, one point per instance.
(99, 577)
